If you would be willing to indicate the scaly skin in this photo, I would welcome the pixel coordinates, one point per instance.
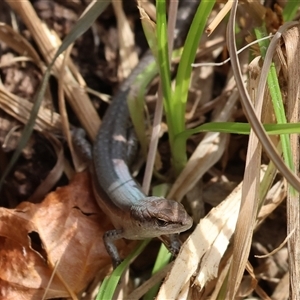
(133, 214)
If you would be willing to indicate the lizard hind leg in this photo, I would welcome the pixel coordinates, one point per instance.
(81, 144)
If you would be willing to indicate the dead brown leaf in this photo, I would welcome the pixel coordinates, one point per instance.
(63, 232)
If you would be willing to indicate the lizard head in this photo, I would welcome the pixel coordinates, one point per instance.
(159, 216)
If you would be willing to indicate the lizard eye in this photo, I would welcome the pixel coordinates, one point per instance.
(161, 223)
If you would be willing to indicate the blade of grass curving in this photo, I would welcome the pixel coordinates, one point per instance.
(236, 128)
(269, 74)
(109, 284)
(95, 9)
(136, 103)
(178, 105)
(249, 110)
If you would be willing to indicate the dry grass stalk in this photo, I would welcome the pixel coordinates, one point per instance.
(200, 256)
(249, 202)
(292, 47)
(236, 272)
(128, 55)
(48, 44)
(20, 109)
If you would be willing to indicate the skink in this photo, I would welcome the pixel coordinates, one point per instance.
(134, 215)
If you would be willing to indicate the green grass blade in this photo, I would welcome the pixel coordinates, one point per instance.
(276, 97)
(109, 284)
(136, 104)
(183, 80)
(187, 58)
(290, 10)
(280, 115)
(236, 128)
(163, 54)
(163, 258)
